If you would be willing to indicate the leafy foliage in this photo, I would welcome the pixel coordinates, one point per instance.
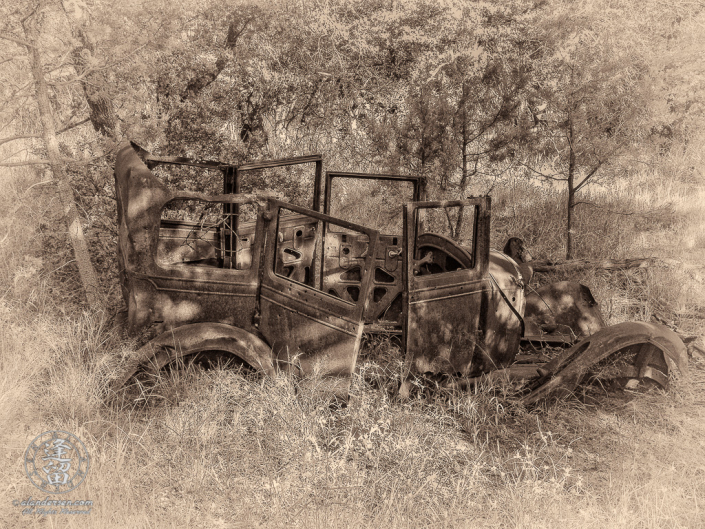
(464, 93)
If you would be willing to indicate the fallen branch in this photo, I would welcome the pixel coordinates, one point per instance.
(547, 265)
(695, 272)
(695, 350)
(688, 340)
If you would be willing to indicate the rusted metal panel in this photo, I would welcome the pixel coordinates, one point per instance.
(312, 330)
(384, 311)
(176, 272)
(166, 294)
(652, 342)
(502, 315)
(562, 309)
(189, 339)
(441, 338)
(446, 287)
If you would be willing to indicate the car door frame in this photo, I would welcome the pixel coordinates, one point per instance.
(291, 311)
(444, 340)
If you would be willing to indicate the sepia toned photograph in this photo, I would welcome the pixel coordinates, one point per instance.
(352, 264)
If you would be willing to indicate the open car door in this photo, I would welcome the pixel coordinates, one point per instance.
(446, 278)
(312, 330)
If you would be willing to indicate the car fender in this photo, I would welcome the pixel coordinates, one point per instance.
(188, 339)
(561, 375)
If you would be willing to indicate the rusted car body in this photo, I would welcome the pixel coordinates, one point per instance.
(281, 286)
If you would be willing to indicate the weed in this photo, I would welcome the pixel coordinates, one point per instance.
(222, 448)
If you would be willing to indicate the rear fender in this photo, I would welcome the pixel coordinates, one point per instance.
(189, 339)
(652, 342)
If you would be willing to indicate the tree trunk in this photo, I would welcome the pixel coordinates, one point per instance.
(464, 162)
(94, 83)
(86, 271)
(463, 185)
(571, 192)
(569, 220)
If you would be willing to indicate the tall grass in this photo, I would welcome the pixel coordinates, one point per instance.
(643, 216)
(231, 450)
(237, 451)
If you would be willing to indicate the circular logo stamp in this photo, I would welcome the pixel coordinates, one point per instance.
(56, 462)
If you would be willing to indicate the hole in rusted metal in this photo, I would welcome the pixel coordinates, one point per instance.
(393, 312)
(293, 253)
(353, 292)
(354, 274)
(383, 277)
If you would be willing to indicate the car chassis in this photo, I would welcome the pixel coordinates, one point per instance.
(283, 287)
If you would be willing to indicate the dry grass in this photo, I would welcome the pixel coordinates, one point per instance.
(237, 451)
(645, 216)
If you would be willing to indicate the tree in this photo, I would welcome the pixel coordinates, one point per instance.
(247, 79)
(30, 19)
(469, 74)
(485, 86)
(422, 134)
(93, 79)
(672, 39)
(587, 101)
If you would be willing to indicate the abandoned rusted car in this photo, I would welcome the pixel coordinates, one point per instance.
(294, 287)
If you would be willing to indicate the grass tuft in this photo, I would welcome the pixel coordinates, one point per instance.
(223, 448)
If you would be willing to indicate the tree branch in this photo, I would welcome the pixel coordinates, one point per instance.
(42, 161)
(550, 177)
(88, 71)
(599, 164)
(575, 204)
(25, 163)
(30, 14)
(16, 40)
(547, 265)
(589, 175)
(73, 125)
(14, 95)
(19, 137)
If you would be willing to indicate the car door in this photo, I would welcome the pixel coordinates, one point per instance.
(446, 279)
(311, 330)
